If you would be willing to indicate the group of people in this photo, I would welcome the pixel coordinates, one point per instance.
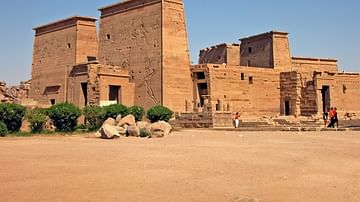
(331, 118)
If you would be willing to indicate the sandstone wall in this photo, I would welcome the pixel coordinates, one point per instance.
(131, 37)
(250, 91)
(177, 83)
(57, 48)
(309, 65)
(10, 94)
(344, 91)
(152, 44)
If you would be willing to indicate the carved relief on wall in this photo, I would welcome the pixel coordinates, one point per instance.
(149, 73)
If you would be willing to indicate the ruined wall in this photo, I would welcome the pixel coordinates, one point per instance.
(56, 51)
(131, 37)
(177, 84)
(290, 90)
(10, 94)
(220, 54)
(250, 91)
(152, 44)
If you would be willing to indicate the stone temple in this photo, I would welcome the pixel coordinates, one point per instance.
(140, 56)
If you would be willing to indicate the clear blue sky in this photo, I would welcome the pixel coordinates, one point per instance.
(318, 28)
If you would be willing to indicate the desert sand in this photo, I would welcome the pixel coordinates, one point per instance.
(189, 165)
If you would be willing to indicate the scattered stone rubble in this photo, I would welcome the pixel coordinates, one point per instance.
(14, 93)
(127, 126)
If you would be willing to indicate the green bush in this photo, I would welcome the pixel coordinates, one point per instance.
(144, 132)
(112, 111)
(3, 129)
(64, 116)
(94, 116)
(138, 112)
(159, 113)
(12, 115)
(37, 119)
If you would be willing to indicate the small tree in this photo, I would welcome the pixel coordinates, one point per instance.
(159, 113)
(112, 111)
(138, 112)
(12, 115)
(3, 129)
(94, 116)
(37, 120)
(64, 116)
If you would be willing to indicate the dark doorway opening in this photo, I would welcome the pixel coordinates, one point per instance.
(84, 90)
(287, 108)
(52, 101)
(203, 92)
(114, 93)
(325, 92)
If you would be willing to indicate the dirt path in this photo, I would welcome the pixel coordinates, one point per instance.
(193, 165)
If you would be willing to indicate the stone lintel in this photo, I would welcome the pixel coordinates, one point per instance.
(62, 24)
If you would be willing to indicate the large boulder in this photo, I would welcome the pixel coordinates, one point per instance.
(143, 125)
(118, 119)
(109, 132)
(110, 121)
(122, 131)
(133, 131)
(160, 129)
(49, 125)
(128, 120)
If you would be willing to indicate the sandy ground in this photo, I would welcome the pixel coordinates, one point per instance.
(191, 165)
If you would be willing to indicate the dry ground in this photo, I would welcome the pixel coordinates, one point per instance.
(192, 165)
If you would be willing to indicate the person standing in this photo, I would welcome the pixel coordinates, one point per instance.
(336, 120)
(326, 117)
(237, 120)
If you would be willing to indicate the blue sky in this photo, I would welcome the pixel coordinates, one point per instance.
(318, 28)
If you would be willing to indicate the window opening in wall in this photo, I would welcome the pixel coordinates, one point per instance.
(248, 63)
(219, 57)
(251, 80)
(68, 45)
(250, 49)
(91, 58)
(52, 101)
(242, 76)
(108, 37)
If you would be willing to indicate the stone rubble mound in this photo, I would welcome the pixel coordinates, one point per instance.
(14, 93)
(127, 126)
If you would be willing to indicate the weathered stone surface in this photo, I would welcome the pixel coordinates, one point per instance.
(110, 121)
(25, 126)
(14, 93)
(133, 131)
(122, 131)
(118, 119)
(160, 129)
(143, 125)
(127, 120)
(109, 132)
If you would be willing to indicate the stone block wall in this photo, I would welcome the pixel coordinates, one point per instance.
(220, 54)
(58, 47)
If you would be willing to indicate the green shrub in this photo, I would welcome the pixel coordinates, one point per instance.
(144, 132)
(12, 115)
(3, 129)
(159, 113)
(112, 111)
(94, 116)
(64, 116)
(37, 119)
(138, 112)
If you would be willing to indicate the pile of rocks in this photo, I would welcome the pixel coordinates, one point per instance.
(127, 126)
(14, 93)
